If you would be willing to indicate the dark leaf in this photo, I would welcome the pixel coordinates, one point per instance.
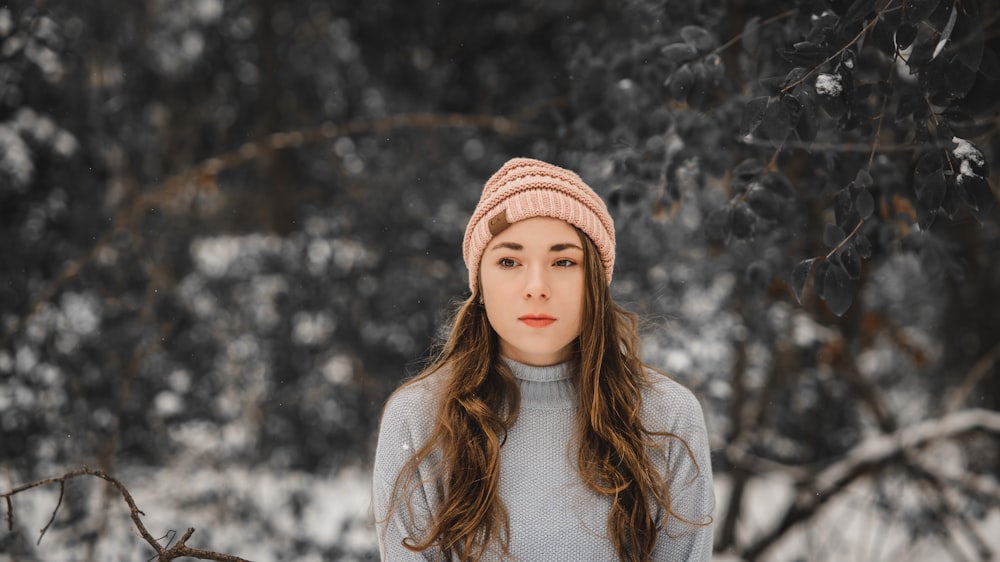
(753, 114)
(805, 53)
(800, 274)
(948, 81)
(905, 35)
(978, 195)
(842, 205)
(833, 235)
(777, 123)
(883, 36)
(772, 84)
(851, 262)
(835, 107)
(824, 24)
(794, 76)
(748, 168)
(846, 82)
(764, 203)
(714, 68)
(849, 58)
(863, 246)
(928, 177)
(865, 204)
(858, 11)
(741, 183)
(863, 179)
(744, 222)
(699, 88)
(699, 37)
(952, 199)
(819, 277)
(679, 53)
(779, 184)
(807, 127)
(718, 224)
(680, 83)
(929, 161)
(849, 220)
(923, 48)
(751, 35)
(794, 108)
(837, 290)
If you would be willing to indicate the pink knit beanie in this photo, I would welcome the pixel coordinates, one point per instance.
(524, 188)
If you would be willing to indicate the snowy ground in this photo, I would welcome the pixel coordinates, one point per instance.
(266, 516)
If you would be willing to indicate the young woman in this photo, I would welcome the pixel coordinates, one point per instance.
(538, 433)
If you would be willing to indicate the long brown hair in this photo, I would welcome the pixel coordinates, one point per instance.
(480, 402)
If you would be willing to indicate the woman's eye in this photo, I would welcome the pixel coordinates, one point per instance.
(565, 263)
(507, 262)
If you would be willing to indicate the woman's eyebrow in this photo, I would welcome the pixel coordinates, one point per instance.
(508, 245)
(519, 247)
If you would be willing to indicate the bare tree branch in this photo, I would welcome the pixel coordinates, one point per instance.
(959, 393)
(179, 550)
(867, 457)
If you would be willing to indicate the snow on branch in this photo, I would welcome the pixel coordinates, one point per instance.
(866, 457)
(879, 448)
(179, 550)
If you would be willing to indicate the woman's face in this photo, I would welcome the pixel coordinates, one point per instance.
(532, 278)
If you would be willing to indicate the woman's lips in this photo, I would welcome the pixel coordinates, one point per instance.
(537, 320)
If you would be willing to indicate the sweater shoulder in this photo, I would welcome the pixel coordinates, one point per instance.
(416, 401)
(407, 423)
(667, 405)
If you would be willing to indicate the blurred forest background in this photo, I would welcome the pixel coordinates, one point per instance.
(231, 227)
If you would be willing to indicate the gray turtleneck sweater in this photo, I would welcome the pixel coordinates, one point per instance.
(553, 515)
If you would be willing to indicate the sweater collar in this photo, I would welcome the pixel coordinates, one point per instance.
(548, 373)
(544, 388)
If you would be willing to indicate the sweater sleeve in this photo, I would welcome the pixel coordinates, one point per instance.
(689, 530)
(405, 424)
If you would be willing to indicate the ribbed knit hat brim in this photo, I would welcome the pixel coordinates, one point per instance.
(524, 188)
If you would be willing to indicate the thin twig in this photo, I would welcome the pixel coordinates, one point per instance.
(846, 239)
(179, 550)
(62, 492)
(979, 370)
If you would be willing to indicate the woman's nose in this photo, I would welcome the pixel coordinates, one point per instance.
(537, 286)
